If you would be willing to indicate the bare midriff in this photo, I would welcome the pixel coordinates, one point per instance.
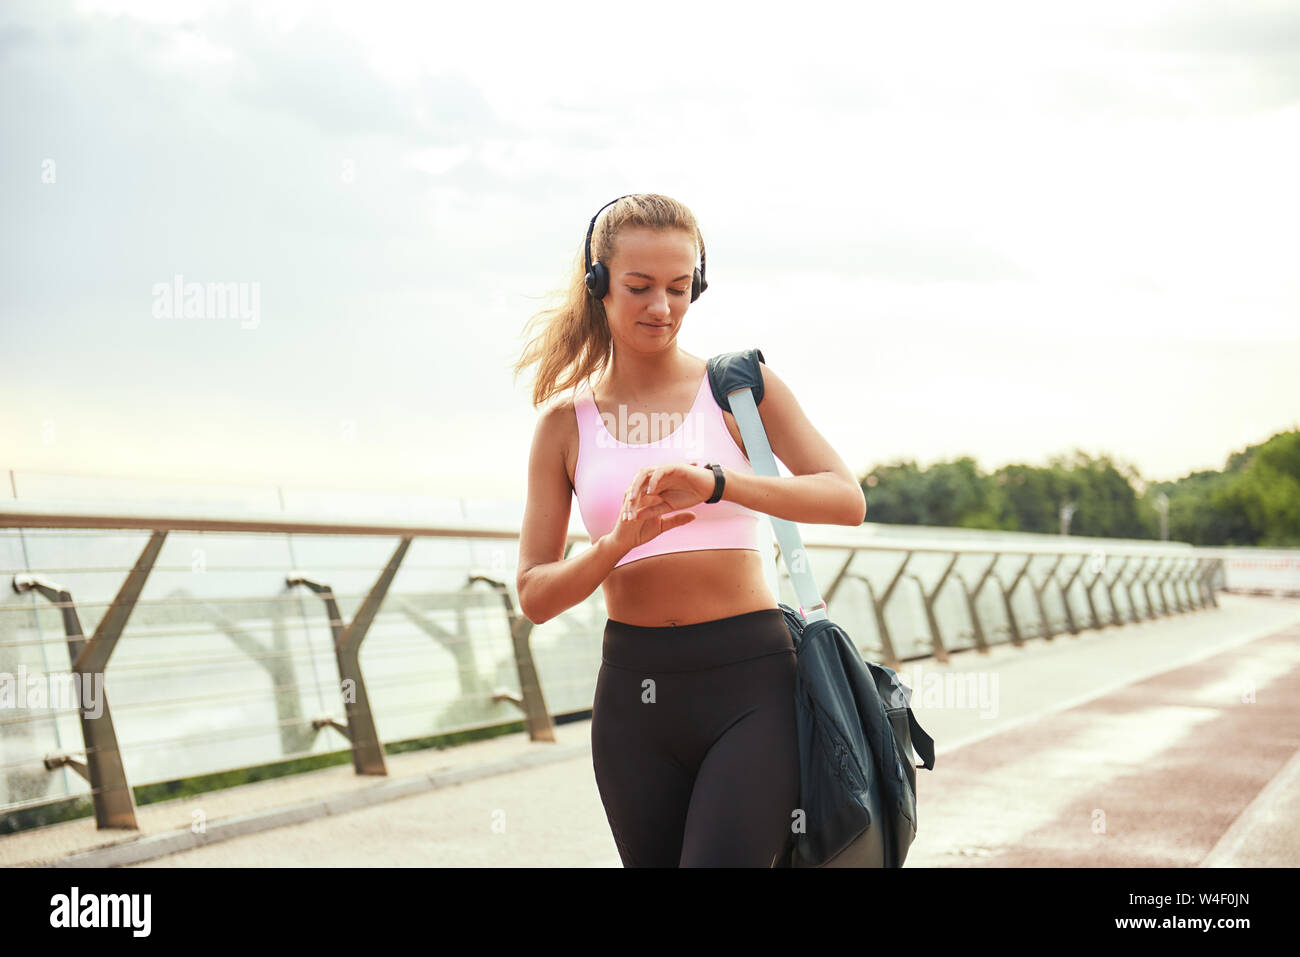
(687, 587)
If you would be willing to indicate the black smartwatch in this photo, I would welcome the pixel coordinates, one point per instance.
(719, 483)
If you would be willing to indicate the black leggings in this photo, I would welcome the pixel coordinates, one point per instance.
(693, 741)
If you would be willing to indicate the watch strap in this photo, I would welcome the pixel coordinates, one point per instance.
(719, 483)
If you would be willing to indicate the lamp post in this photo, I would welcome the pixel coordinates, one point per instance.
(1067, 512)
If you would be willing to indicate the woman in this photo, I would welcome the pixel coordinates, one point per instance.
(693, 720)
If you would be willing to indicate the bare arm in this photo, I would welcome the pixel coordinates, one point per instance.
(821, 490)
(546, 582)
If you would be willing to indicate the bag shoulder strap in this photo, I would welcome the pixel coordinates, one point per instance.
(737, 383)
(730, 371)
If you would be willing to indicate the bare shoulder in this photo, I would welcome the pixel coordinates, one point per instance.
(778, 408)
(773, 382)
(778, 397)
(555, 411)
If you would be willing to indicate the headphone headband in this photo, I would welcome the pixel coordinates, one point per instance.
(597, 277)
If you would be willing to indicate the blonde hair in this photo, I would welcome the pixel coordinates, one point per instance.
(573, 343)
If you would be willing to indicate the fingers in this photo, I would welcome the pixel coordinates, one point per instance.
(631, 509)
(634, 490)
(649, 478)
(648, 487)
(681, 518)
(635, 510)
(654, 477)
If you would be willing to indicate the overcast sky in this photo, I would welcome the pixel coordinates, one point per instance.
(1001, 229)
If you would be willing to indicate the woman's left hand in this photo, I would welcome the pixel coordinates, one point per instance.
(680, 484)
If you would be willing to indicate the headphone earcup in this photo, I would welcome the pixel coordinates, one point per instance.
(698, 285)
(598, 281)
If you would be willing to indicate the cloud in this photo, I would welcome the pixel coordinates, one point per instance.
(1267, 29)
(1203, 56)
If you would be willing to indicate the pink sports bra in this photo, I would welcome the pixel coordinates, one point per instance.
(607, 466)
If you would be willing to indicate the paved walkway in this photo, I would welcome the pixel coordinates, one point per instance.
(1169, 743)
(166, 827)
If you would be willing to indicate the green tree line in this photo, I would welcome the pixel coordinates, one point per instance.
(1254, 500)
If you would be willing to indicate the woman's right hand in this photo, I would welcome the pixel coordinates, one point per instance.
(630, 532)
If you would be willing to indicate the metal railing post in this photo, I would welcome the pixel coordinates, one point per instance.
(1088, 587)
(936, 636)
(1007, 591)
(1115, 617)
(1136, 579)
(1207, 581)
(1185, 598)
(367, 751)
(1146, 590)
(878, 604)
(1065, 596)
(972, 598)
(1047, 631)
(537, 718)
(104, 771)
(1194, 584)
(1165, 609)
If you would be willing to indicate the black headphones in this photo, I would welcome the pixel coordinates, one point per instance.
(598, 275)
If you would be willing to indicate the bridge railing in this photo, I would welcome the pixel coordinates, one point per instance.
(230, 642)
